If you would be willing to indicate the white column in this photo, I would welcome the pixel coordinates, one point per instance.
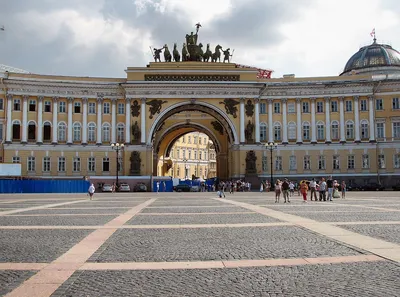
(298, 110)
(242, 136)
(24, 138)
(342, 123)
(39, 139)
(9, 118)
(257, 118)
(113, 120)
(143, 121)
(371, 120)
(99, 123)
(55, 124)
(128, 121)
(313, 123)
(84, 120)
(328, 120)
(270, 122)
(284, 120)
(69, 127)
(356, 120)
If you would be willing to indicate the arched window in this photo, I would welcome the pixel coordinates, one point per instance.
(263, 132)
(320, 130)
(120, 133)
(349, 130)
(31, 131)
(106, 132)
(16, 128)
(335, 130)
(46, 131)
(277, 131)
(62, 127)
(292, 130)
(306, 131)
(92, 132)
(77, 132)
(364, 129)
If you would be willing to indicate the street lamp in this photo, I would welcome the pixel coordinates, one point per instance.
(184, 162)
(271, 146)
(117, 148)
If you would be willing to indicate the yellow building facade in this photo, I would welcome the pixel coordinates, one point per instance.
(347, 126)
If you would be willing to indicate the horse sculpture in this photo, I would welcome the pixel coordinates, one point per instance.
(177, 56)
(217, 54)
(185, 53)
(167, 54)
(208, 54)
(200, 53)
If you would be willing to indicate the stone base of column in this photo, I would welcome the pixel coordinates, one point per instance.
(314, 142)
(39, 143)
(357, 141)
(299, 142)
(85, 143)
(328, 142)
(69, 143)
(54, 143)
(372, 141)
(343, 141)
(285, 142)
(24, 142)
(98, 143)
(8, 142)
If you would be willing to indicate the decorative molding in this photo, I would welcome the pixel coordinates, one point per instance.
(40, 98)
(189, 77)
(25, 97)
(284, 100)
(313, 99)
(298, 100)
(327, 99)
(100, 98)
(70, 99)
(355, 98)
(55, 98)
(85, 99)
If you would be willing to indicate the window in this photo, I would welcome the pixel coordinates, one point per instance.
(120, 133)
(76, 164)
(77, 107)
(121, 108)
(199, 140)
(200, 155)
(46, 164)
(321, 163)
(263, 108)
(320, 131)
(334, 106)
(205, 140)
(106, 132)
(120, 163)
(396, 161)
(292, 163)
(61, 106)
(178, 153)
(349, 130)
(1, 132)
(335, 130)
(306, 163)
(350, 162)
(32, 105)
(291, 107)
(190, 154)
(195, 155)
(46, 131)
(106, 108)
(106, 164)
(365, 161)
(380, 130)
(364, 129)
(189, 139)
(379, 104)
(61, 164)
(47, 106)
(396, 129)
(381, 162)
(17, 104)
(306, 131)
(277, 131)
(183, 154)
(363, 105)
(292, 130)
(16, 127)
(31, 164)
(277, 107)
(62, 127)
(77, 132)
(336, 163)
(395, 103)
(1, 104)
(92, 108)
(320, 106)
(92, 132)
(183, 139)
(195, 139)
(263, 132)
(264, 164)
(278, 163)
(349, 105)
(16, 160)
(306, 107)
(91, 164)
(31, 131)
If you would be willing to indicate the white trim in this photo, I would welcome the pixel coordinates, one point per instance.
(322, 174)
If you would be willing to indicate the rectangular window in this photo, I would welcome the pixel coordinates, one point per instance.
(306, 132)
(92, 108)
(320, 106)
(61, 164)
(334, 106)
(381, 162)
(396, 129)
(17, 104)
(292, 163)
(32, 105)
(306, 163)
(62, 107)
(199, 140)
(396, 161)
(121, 108)
(306, 107)
(184, 140)
(264, 164)
(379, 104)
(91, 164)
(189, 139)
(183, 154)
(200, 155)
(365, 161)
(195, 155)
(350, 162)
(16, 160)
(1, 104)
(278, 163)
(380, 130)
(291, 107)
(46, 164)
(106, 164)
(190, 154)
(349, 105)
(321, 163)
(363, 105)
(76, 166)
(47, 106)
(31, 164)
(106, 108)
(263, 108)
(277, 133)
(396, 103)
(195, 140)
(277, 107)
(336, 163)
(77, 107)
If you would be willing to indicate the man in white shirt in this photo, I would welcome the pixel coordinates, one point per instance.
(313, 185)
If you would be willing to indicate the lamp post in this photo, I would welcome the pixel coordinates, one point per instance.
(271, 146)
(184, 162)
(117, 148)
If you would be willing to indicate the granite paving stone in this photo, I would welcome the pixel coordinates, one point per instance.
(51, 211)
(10, 279)
(389, 233)
(356, 279)
(352, 216)
(193, 209)
(34, 246)
(55, 221)
(148, 245)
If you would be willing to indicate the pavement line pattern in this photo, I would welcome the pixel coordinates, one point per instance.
(227, 263)
(2, 213)
(379, 247)
(369, 207)
(48, 279)
(367, 223)
(64, 215)
(22, 266)
(193, 213)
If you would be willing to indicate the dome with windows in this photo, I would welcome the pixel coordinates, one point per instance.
(375, 58)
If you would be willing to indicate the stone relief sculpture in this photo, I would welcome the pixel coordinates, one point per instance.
(230, 106)
(177, 56)
(249, 132)
(218, 127)
(167, 54)
(136, 132)
(136, 163)
(251, 159)
(155, 106)
(135, 109)
(249, 108)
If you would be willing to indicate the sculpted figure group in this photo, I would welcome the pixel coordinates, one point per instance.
(191, 51)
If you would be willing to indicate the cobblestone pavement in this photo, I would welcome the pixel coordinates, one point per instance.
(196, 244)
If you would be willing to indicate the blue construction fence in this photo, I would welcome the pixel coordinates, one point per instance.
(8, 186)
(167, 185)
(208, 182)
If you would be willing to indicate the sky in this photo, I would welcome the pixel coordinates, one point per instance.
(101, 38)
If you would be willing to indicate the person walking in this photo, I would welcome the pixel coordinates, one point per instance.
(313, 188)
(303, 190)
(261, 187)
(343, 188)
(158, 186)
(277, 190)
(322, 190)
(91, 191)
(285, 190)
(329, 184)
(291, 188)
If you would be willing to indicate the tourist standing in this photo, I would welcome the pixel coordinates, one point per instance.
(303, 190)
(291, 187)
(91, 191)
(322, 190)
(158, 186)
(343, 188)
(285, 190)
(313, 191)
(277, 191)
(261, 187)
(329, 184)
